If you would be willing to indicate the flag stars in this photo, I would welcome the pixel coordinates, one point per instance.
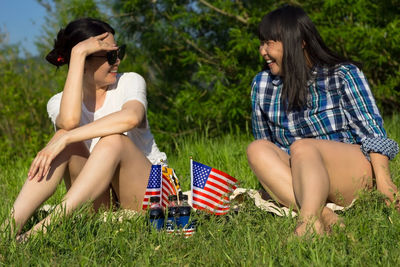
(201, 173)
(154, 179)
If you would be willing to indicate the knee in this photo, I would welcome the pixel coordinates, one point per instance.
(301, 148)
(257, 149)
(112, 142)
(253, 149)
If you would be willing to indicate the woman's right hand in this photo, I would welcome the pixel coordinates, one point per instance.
(40, 166)
(93, 45)
(389, 189)
(384, 183)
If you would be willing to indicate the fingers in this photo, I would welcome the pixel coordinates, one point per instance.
(102, 36)
(43, 169)
(395, 202)
(46, 168)
(107, 46)
(95, 44)
(33, 169)
(40, 166)
(103, 44)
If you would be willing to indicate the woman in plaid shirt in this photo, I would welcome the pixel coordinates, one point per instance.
(319, 135)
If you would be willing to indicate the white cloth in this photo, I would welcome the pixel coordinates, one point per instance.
(268, 205)
(129, 86)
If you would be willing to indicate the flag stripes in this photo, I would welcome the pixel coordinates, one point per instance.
(210, 188)
(167, 189)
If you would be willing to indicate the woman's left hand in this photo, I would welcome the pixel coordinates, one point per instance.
(40, 166)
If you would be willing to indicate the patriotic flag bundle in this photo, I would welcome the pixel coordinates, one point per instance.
(162, 183)
(210, 188)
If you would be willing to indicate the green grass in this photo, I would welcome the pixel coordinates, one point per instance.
(251, 237)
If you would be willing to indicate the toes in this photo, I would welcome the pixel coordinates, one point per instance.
(310, 227)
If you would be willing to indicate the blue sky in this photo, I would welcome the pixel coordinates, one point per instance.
(22, 21)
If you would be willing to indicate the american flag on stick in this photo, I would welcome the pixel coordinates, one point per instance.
(210, 188)
(153, 186)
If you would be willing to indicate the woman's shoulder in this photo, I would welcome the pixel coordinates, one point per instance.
(337, 74)
(263, 76)
(55, 98)
(345, 69)
(129, 77)
(53, 106)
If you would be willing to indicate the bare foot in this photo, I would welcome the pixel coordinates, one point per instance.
(330, 218)
(22, 238)
(312, 226)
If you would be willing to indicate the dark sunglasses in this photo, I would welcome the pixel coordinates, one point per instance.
(113, 55)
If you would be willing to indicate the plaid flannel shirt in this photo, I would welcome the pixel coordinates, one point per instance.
(340, 107)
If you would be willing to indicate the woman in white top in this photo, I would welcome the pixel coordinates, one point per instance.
(103, 138)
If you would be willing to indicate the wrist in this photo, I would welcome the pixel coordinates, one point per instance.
(77, 52)
(67, 138)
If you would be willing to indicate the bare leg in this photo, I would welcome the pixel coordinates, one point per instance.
(271, 165)
(130, 184)
(34, 193)
(75, 165)
(326, 170)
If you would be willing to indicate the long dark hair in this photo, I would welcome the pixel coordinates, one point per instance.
(291, 26)
(75, 32)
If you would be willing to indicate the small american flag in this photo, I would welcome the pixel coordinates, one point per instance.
(170, 185)
(210, 188)
(153, 186)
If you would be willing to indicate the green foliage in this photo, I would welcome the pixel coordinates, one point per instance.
(60, 13)
(29, 82)
(24, 91)
(198, 58)
(369, 32)
(201, 60)
(202, 55)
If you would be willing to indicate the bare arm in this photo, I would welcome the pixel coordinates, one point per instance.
(71, 101)
(384, 183)
(131, 115)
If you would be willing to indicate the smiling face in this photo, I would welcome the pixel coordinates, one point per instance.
(97, 70)
(272, 52)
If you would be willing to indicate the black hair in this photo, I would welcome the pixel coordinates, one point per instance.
(75, 32)
(292, 26)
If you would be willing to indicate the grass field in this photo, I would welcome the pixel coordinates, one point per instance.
(251, 237)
